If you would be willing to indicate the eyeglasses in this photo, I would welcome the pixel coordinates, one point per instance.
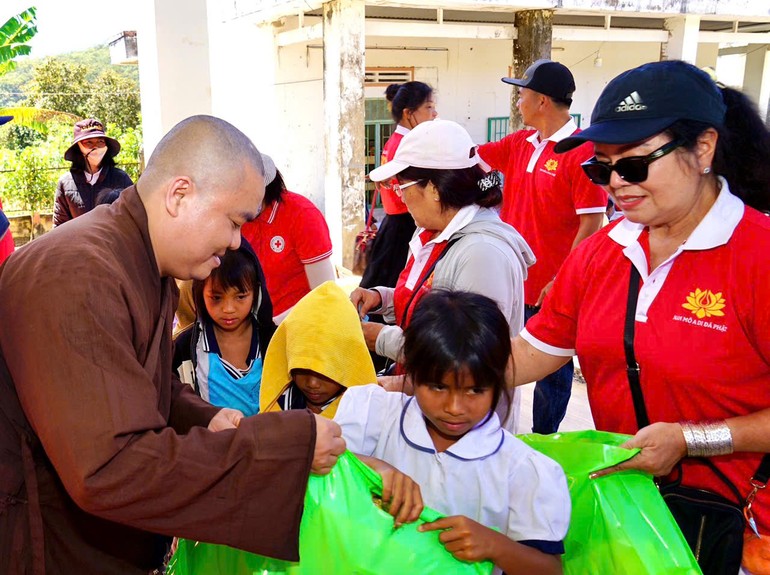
(399, 188)
(632, 169)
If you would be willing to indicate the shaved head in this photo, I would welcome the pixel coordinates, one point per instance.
(202, 183)
(207, 149)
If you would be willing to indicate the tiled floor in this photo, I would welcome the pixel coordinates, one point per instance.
(578, 413)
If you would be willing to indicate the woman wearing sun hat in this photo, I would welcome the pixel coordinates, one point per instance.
(460, 242)
(688, 164)
(93, 169)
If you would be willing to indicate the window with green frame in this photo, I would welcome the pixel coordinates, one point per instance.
(498, 128)
(378, 127)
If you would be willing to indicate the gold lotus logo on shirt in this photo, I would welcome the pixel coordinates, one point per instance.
(551, 165)
(705, 303)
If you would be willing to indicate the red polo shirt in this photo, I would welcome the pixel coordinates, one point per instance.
(391, 203)
(702, 335)
(286, 237)
(543, 196)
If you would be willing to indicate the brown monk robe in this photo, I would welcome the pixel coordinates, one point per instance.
(101, 446)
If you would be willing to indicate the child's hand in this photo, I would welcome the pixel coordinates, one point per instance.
(225, 418)
(465, 539)
(401, 496)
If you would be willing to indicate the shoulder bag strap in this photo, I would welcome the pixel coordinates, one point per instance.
(375, 195)
(632, 367)
(425, 277)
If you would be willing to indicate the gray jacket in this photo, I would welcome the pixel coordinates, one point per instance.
(490, 258)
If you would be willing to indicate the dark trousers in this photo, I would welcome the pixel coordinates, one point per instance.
(552, 393)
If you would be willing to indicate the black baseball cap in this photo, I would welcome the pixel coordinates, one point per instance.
(547, 77)
(646, 100)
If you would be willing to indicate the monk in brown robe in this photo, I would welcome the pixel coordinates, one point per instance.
(102, 449)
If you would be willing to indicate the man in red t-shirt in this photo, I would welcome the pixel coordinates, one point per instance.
(549, 200)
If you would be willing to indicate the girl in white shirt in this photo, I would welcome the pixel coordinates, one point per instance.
(504, 502)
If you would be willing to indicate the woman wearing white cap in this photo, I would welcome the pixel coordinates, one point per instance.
(292, 242)
(460, 242)
(682, 362)
(93, 170)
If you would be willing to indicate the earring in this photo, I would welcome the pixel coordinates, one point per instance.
(707, 170)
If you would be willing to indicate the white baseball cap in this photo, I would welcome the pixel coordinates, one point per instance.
(269, 166)
(435, 145)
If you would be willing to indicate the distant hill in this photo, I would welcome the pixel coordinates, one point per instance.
(96, 60)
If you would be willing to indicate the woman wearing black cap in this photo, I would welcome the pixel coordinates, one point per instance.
(687, 371)
(93, 169)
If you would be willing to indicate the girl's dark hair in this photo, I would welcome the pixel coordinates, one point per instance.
(743, 149)
(407, 96)
(238, 269)
(452, 330)
(79, 162)
(457, 188)
(274, 189)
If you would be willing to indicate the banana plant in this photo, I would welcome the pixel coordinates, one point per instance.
(38, 118)
(15, 35)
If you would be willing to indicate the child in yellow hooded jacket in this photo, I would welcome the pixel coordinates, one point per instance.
(316, 353)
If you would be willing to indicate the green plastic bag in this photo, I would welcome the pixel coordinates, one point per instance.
(342, 532)
(620, 523)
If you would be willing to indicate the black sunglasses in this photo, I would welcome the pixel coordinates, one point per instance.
(633, 169)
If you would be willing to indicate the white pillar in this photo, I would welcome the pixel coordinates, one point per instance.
(756, 77)
(344, 37)
(683, 38)
(173, 65)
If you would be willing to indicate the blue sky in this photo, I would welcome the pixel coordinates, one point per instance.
(67, 25)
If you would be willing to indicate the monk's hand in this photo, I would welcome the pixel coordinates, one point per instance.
(401, 495)
(662, 446)
(329, 445)
(225, 418)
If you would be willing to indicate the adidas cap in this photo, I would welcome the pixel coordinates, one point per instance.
(646, 100)
(546, 77)
(437, 145)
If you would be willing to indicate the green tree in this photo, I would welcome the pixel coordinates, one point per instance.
(60, 85)
(115, 99)
(14, 37)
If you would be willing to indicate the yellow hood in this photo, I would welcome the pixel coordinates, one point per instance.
(321, 333)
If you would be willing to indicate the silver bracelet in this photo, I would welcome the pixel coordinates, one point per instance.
(707, 439)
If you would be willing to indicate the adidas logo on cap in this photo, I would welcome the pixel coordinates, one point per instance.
(631, 103)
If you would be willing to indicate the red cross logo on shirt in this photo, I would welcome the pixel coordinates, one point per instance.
(277, 244)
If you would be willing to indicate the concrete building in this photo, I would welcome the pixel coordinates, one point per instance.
(305, 79)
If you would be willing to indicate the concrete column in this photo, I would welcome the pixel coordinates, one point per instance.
(756, 77)
(534, 33)
(683, 39)
(344, 37)
(173, 65)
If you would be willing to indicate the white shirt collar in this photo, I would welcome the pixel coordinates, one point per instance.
(714, 230)
(461, 219)
(564, 132)
(482, 441)
(403, 130)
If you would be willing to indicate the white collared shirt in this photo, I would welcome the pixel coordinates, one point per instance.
(564, 132)
(714, 230)
(421, 252)
(488, 475)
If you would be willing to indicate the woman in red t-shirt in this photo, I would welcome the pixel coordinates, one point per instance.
(291, 240)
(410, 104)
